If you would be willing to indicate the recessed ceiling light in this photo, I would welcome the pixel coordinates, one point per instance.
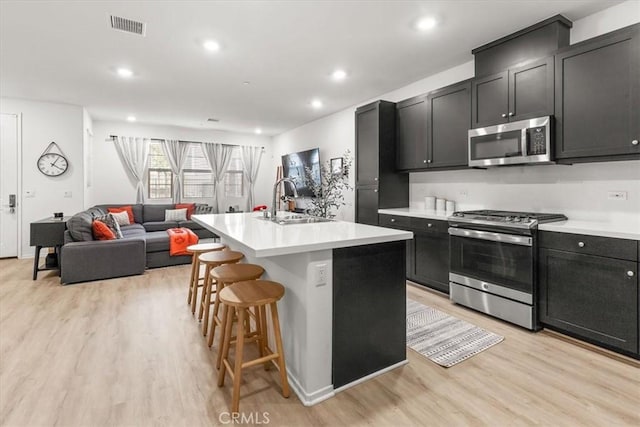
(246, 83)
(339, 75)
(211, 45)
(426, 23)
(258, 131)
(316, 103)
(131, 118)
(125, 73)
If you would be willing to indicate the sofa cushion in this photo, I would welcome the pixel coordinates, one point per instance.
(190, 207)
(110, 222)
(157, 241)
(132, 230)
(101, 231)
(80, 225)
(175, 214)
(128, 210)
(160, 225)
(137, 210)
(190, 224)
(155, 213)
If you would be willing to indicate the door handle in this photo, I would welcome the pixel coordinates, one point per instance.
(12, 203)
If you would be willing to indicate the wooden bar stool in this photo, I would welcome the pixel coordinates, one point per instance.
(212, 260)
(194, 282)
(226, 275)
(241, 297)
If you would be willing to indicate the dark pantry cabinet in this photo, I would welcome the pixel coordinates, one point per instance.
(432, 129)
(589, 288)
(378, 185)
(518, 93)
(598, 98)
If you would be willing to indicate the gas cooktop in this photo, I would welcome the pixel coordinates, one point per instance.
(506, 218)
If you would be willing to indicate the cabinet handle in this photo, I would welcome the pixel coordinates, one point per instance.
(510, 114)
(429, 161)
(634, 142)
(581, 244)
(504, 115)
(393, 220)
(630, 273)
(375, 179)
(429, 225)
(375, 191)
(424, 161)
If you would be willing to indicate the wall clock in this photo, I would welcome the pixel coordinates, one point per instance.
(51, 163)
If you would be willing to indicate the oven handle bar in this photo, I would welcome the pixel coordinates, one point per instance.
(494, 237)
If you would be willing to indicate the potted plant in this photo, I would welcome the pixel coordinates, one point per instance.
(328, 193)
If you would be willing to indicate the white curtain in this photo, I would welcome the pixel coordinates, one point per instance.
(134, 155)
(251, 157)
(176, 152)
(218, 156)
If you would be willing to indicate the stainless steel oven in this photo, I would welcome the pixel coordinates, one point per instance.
(522, 142)
(493, 263)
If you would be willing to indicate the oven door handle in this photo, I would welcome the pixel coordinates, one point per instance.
(494, 237)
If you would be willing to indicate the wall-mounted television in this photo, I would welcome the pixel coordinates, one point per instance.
(293, 166)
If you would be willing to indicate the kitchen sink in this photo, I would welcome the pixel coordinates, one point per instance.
(296, 219)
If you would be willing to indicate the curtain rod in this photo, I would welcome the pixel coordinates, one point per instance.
(112, 137)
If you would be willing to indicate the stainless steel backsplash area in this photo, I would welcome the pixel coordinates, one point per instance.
(580, 191)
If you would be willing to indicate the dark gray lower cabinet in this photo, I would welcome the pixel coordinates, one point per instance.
(367, 205)
(591, 297)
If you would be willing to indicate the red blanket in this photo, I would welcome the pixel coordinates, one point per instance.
(180, 239)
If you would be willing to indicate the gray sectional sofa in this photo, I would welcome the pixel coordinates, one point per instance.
(145, 244)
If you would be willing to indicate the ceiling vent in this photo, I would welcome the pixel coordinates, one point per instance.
(213, 120)
(128, 25)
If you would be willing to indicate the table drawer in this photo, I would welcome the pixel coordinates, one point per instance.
(591, 245)
(394, 221)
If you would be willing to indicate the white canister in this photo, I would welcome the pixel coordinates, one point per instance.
(430, 203)
(440, 204)
(451, 206)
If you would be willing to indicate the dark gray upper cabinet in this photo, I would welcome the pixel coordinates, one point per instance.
(519, 93)
(449, 111)
(378, 185)
(598, 98)
(432, 129)
(411, 147)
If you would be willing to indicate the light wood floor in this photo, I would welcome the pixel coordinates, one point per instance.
(127, 352)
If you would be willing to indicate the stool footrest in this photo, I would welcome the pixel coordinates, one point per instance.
(259, 360)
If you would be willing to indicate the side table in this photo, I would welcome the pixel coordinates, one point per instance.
(47, 233)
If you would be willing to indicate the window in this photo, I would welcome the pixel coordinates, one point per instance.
(160, 178)
(234, 178)
(197, 182)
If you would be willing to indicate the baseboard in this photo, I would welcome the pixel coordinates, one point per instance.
(309, 399)
(370, 376)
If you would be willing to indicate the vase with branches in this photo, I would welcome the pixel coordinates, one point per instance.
(328, 193)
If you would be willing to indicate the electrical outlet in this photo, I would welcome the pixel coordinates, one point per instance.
(321, 274)
(617, 195)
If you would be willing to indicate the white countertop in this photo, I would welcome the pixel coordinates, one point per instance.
(266, 238)
(416, 213)
(620, 230)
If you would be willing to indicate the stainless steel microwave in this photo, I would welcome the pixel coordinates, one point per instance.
(521, 142)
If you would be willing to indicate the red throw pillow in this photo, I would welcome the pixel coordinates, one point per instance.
(127, 209)
(101, 231)
(190, 207)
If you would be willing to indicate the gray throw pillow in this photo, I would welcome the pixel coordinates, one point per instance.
(111, 222)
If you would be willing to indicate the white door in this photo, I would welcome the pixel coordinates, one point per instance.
(8, 186)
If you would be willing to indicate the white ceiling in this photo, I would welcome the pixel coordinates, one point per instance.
(65, 51)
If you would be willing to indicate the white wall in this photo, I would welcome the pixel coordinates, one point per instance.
(579, 190)
(109, 180)
(43, 122)
(87, 146)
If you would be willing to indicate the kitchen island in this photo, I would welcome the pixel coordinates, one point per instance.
(343, 315)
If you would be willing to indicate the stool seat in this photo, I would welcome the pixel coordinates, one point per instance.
(205, 247)
(251, 293)
(232, 273)
(221, 257)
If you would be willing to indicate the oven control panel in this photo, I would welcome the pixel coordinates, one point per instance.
(537, 141)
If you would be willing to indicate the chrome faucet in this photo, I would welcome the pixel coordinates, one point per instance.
(275, 190)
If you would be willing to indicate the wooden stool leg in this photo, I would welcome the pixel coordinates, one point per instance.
(216, 308)
(195, 283)
(225, 343)
(204, 291)
(207, 306)
(193, 265)
(237, 372)
(280, 349)
(262, 331)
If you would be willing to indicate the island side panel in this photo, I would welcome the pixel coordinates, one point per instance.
(369, 310)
